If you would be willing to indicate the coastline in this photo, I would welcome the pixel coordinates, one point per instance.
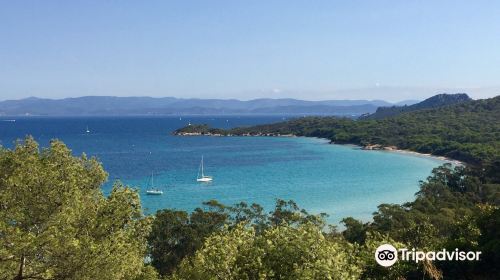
(370, 147)
(390, 149)
(443, 158)
(394, 149)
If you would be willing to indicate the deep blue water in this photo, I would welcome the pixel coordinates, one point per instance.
(339, 180)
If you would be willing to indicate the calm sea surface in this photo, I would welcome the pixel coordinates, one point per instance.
(338, 180)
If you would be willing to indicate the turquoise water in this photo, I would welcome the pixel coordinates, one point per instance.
(338, 180)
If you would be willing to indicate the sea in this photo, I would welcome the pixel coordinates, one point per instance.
(338, 180)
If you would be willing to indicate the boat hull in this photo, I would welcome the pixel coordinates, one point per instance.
(154, 192)
(205, 179)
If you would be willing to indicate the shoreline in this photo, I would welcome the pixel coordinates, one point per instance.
(443, 158)
(370, 147)
(394, 149)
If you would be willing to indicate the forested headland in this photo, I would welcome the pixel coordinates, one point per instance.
(468, 131)
(55, 222)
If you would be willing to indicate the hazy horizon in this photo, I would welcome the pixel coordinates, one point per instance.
(322, 50)
(406, 94)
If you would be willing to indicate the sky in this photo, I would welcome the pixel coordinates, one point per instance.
(313, 50)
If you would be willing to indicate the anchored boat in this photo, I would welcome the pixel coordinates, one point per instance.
(152, 190)
(201, 175)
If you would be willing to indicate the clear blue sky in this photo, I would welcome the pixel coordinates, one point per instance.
(352, 49)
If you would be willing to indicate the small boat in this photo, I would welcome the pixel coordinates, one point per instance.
(201, 175)
(88, 131)
(153, 190)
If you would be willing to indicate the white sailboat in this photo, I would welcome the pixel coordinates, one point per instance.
(153, 190)
(203, 177)
(88, 131)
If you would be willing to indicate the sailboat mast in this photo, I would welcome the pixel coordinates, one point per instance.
(201, 170)
(202, 174)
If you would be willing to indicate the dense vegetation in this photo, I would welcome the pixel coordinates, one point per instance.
(55, 222)
(202, 129)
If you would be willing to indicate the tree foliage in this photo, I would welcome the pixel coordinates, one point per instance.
(280, 252)
(177, 234)
(55, 222)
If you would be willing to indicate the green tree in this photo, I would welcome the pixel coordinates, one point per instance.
(55, 223)
(176, 234)
(280, 252)
(488, 222)
(355, 230)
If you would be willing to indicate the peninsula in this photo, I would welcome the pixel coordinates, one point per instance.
(462, 131)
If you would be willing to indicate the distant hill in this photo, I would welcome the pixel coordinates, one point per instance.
(110, 105)
(318, 109)
(436, 101)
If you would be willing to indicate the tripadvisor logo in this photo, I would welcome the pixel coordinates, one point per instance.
(387, 255)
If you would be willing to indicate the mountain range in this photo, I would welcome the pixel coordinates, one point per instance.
(111, 106)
